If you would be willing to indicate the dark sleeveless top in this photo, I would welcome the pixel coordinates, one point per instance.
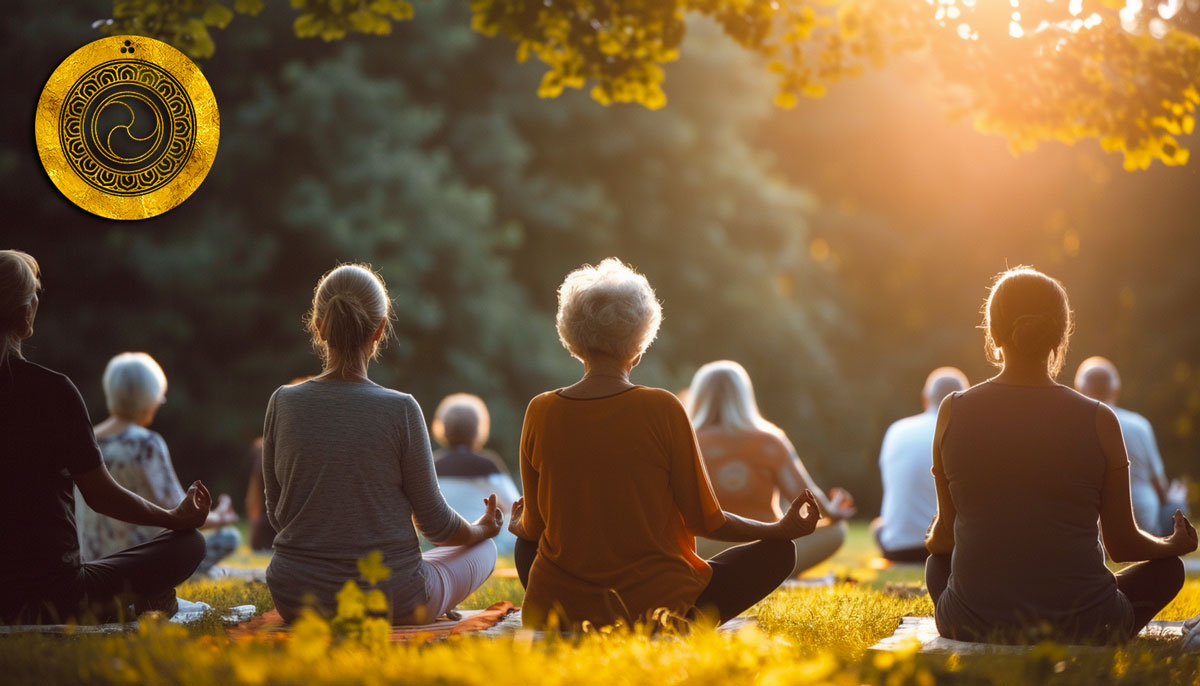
(1025, 470)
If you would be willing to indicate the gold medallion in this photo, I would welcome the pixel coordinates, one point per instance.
(127, 127)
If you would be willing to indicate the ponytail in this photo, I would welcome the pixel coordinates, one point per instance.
(349, 305)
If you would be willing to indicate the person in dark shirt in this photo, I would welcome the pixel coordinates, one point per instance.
(467, 473)
(46, 449)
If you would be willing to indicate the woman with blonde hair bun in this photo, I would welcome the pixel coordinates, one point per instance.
(347, 470)
(1030, 475)
(753, 465)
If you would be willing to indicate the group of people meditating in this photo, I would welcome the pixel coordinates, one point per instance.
(637, 506)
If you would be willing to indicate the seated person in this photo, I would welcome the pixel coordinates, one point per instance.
(616, 490)
(909, 496)
(753, 466)
(48, 448)
(348, 471)
(262, 535)
(135, 388)
(1025, 469)
(466, 472)
(1154, 500)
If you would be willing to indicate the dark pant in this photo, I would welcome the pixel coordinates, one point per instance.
(741, 576)
(1149, 586)
(144, 576)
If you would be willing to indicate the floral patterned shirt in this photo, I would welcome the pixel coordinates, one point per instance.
(138, 459)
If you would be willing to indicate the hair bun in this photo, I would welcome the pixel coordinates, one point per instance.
(1032, 333)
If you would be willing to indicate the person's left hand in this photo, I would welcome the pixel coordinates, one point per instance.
(841, 504)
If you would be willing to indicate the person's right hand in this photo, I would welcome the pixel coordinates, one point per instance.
(192, 512)
(801, 518)
(492, 519)
(1183, 539)
(514, 521)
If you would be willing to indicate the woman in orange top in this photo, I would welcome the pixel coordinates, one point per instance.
(615, 489)
(754, 464)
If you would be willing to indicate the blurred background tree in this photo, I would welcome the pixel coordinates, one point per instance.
(840, 250)
(1123, 72)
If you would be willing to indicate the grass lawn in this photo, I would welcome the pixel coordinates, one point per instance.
(805, 636)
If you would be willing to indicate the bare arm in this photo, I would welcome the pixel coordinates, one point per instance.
(1123, 540)
(940, 538)
(800, 520)
(106, 496)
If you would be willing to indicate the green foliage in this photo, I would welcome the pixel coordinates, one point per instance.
(1031, 72)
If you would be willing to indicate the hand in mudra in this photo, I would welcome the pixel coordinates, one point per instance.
(493, 517)
(801, 518)
(192, 512)
(514, 521)
(1183, 538)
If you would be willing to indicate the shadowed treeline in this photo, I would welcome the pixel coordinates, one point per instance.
(839, 251)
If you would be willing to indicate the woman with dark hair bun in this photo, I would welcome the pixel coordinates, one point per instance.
(1024, 469)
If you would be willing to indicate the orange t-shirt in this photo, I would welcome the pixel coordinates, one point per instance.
(615, 491)
(750, 471)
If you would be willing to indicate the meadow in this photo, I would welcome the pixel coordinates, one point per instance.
(803, 636)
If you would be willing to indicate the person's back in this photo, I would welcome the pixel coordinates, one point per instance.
(618, 495)
(749, 469)
(1025, 470)
(467, 477)
(347, 465)
(909, 497)
(43, 428)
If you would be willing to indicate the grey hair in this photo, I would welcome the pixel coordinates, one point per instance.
(133, 382)
(607, 309)
(461, 419)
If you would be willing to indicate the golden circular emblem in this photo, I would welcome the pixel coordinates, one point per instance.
(127, 127)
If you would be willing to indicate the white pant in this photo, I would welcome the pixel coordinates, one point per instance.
(451, 574)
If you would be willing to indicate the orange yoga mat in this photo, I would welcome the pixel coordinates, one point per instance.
(272, 623)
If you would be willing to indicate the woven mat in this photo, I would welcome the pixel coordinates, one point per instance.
(924, 630)
(472, 621)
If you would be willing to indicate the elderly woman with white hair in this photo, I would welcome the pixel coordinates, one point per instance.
(754, 466)
(135, 387)
(616, 490)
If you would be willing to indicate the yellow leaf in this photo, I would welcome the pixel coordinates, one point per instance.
(372, 568)
(218, 15)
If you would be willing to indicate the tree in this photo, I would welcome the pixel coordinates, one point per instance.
(1123, 74)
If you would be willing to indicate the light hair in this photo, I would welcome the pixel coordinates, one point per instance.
(1098, 379)
(133, 383)
(461, 419)
(20, 280)
(1027, 314)
(349, 303)
(608, 309)
(943, 381)
(722, 397)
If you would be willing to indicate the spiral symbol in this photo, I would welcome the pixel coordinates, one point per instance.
(127, 127)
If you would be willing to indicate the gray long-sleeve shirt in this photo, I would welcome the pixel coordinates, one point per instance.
(347, 469)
